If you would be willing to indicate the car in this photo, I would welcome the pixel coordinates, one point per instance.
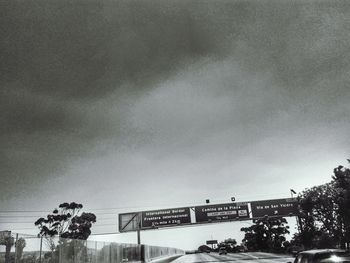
(336, 259)
(321, 255)
(222, 251)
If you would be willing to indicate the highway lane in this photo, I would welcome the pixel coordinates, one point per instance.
(251, 257)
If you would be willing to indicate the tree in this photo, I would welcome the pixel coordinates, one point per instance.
(341, 181)
(70, 226)
(325, 213)
(267, 234)
(66, 222)
(20, 245)
(8, 242)
(318, 216)
(229, 244)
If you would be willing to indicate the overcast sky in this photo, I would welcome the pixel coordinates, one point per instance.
(139, 104)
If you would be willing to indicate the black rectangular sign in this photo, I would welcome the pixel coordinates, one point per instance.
(166, 217)
(275, 207)
(129, 221)
(221, 212)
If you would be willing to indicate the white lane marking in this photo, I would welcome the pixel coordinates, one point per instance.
(249, 255)
(277, 260)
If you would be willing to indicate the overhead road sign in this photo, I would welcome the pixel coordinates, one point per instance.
(275, 207)
(217, 213)
(129, 222)
(211, 242)
(154, 219)
(221, 212)
(166, 217)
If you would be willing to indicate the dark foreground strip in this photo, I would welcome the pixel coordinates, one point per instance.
(238, 259)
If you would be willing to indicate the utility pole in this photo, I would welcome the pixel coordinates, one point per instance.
(16, 247)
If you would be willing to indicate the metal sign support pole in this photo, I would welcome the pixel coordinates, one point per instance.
(41, 248)
(139, 234)
(138, 237)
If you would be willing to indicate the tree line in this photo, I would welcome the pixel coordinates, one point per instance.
(323, 220)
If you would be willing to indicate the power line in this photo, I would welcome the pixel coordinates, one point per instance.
(108, 208)
(120, 208)
(31, 222)
(34, 228)
(24, 211)
(161, 228)
(38, 216)
(24, 228)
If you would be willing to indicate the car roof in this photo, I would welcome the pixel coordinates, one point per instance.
(320, 251)
(339, 259)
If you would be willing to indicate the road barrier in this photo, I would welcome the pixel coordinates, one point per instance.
(55, 250)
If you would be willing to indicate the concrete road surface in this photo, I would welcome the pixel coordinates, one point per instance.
(249, 257)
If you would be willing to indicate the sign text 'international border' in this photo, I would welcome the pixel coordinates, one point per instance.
(166, 217)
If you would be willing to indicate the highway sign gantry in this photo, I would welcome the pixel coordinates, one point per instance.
(214, 213)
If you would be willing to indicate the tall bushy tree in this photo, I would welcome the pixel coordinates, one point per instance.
(267, 234)
(318, 216)
(70, 226)
(230, 244)
(341, 181)
(325, 213)
(66, 222)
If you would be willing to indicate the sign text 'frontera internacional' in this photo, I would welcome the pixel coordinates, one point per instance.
(165, 217)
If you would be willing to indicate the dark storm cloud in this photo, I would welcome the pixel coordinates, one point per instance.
(78, 74)
(87, 49)
(58, 59)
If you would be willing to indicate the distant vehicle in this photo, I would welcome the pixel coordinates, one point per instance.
(204, 249)
(222, 251)
(322, 255)
(240, 249)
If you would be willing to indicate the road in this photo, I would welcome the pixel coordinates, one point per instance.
(251, 257)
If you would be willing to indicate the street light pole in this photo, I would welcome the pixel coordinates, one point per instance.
(292, 192)
(298, 218)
